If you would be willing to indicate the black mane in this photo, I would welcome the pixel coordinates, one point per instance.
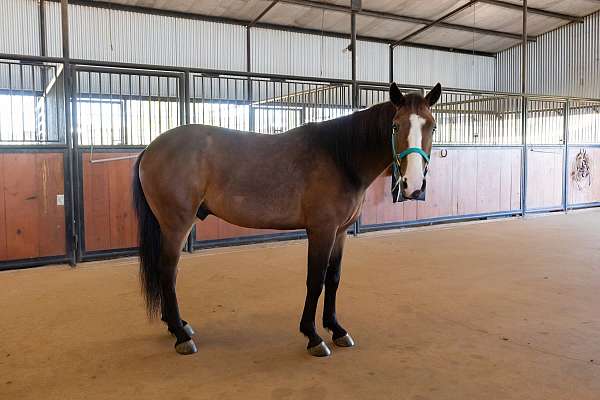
(352, 136)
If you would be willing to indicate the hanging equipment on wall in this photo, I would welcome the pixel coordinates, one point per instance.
(581, 172)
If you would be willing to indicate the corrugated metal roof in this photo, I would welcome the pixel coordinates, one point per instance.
(487, 16)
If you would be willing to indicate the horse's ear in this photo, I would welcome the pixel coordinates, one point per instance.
(396, 96)
(434, 95)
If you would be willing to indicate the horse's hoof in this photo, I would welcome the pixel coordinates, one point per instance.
(320, 350)
(187, 347)
(189, 330)
(344, 341)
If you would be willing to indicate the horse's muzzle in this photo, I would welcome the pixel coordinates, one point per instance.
(416, 195)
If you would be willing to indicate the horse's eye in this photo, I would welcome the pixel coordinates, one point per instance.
(395, 128)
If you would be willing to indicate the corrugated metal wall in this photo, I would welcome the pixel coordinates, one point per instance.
(372, 61)
(291, 53)
(122, 36)
(53, 29)
(563, 62)
(115, 35)
(427, 67)
(19, 33)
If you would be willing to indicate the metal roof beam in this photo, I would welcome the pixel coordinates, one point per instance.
(403, 18)
(262, 14)
(432, 24)
(530, 10)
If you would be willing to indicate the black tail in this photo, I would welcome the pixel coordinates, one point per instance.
(149, 245)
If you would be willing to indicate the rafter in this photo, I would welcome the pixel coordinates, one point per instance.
(433, 23)
(403, 18)
(262, 14)
(531, 10)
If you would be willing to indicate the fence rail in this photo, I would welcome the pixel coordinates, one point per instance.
(31, 100)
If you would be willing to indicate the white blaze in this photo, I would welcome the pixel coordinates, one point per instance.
(414, 167)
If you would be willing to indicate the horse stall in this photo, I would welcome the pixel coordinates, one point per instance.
(482, 283)
(33, 159)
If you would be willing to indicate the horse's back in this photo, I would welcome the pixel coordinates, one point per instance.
(249, 179)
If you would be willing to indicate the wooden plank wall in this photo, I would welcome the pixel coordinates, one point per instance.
(466, 181)
(109, 217)
(32, 224)
(587, 194)
(544, 177)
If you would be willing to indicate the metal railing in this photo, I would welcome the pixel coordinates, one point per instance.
(584, 122)
(31, 103)
(264, 105)
(125, 108)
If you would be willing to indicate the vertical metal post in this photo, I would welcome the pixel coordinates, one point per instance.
(249, 69)
(565, 187)
(42, 11)
(354, 85)
(184, 97)
(353, 47)
(186, 120)
(524, 109)
(73, 250)
(391, 64)
(43, 53)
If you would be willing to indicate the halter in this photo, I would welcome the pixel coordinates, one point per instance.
(397, 159)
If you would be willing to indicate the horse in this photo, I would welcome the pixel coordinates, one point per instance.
(312, 177)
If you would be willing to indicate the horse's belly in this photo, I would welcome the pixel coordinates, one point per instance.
(267, 211)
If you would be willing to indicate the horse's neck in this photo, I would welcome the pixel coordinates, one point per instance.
(374, 162)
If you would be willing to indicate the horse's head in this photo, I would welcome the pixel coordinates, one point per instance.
(412, 135)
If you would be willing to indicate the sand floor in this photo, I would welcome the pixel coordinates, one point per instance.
(501, 310)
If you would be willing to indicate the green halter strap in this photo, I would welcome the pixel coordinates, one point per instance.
(396, 192)
(410, 150)
(399, 156)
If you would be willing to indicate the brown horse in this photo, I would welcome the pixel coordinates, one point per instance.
(313, 177)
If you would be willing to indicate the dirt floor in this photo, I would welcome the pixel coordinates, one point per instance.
(501, 310)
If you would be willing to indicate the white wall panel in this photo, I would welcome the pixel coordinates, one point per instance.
(458, 70)
(291, 53)
(372, 62)
(563, 62)
(19, 20)
(122, 36)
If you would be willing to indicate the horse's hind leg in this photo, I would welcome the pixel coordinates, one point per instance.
(170, 252)
(332, 280)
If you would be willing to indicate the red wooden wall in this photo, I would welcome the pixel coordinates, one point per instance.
(109, 217)
(466, 181)
(31, 223)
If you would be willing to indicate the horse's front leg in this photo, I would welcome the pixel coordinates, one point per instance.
(320, 243)
(332, 280)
